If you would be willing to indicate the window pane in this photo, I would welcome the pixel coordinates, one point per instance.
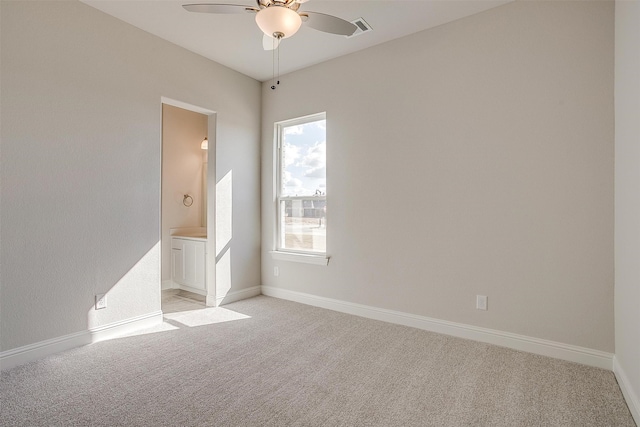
(302, 184)
(303, 224)
(303, 160)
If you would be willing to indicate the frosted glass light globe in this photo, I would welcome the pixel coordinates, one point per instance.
(278, 19)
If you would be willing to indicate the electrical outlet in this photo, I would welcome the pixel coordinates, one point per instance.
(481, 302)
(101, 301)
(276, 271)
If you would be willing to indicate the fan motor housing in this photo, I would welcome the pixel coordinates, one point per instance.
(290, 4)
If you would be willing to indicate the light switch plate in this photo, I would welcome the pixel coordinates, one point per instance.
(481, 302)
(101, 301)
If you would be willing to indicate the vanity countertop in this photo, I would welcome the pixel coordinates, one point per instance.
(191, 236)
(194, 233)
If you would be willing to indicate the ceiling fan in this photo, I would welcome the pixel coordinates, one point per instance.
(280, 19)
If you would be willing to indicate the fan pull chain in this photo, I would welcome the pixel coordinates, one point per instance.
(277, 38)
(273, 64)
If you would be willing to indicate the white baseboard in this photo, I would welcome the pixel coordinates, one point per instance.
(190, 289)
(633, 402)
(117, 329)
(238, 295)
(585, 356)
(39, 350)
(168, 284)
(35, 351)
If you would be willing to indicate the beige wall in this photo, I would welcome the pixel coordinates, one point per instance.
(81, 165)
(472, 158)
(627, 178)
(182, 161)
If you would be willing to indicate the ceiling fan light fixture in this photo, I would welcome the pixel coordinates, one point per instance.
(278, 20)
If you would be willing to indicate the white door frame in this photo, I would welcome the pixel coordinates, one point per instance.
(211, 194)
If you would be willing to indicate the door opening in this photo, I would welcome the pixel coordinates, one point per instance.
(187, 227)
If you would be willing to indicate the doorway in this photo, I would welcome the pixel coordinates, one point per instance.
(187, 275)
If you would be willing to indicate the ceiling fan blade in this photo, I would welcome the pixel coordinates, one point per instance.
(218, 8)
(269, 43)
(328, 23)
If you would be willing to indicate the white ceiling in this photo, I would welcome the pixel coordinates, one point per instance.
(236, 41)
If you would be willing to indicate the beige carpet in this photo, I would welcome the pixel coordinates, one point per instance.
(268, 362)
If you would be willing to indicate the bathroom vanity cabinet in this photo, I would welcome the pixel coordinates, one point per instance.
(188, 263)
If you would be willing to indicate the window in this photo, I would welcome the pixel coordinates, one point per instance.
(301, 185)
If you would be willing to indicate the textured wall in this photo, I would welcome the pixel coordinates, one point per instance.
(627, 178)
(81, 164)
(472, 158)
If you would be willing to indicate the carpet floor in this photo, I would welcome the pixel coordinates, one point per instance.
(269, 362)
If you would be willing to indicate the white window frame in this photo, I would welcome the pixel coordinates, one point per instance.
(280, 253)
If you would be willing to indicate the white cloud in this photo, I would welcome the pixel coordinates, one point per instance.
(293, 183)
(291, 154)
(288, 181)
(315, 161)
(319, 172)
(293, 130)
(286, 177)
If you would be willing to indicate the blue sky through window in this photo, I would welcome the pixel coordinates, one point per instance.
(304, 159)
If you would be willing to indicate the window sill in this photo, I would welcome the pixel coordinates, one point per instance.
(296, 257)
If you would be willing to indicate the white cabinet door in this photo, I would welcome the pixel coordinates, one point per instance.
(194, 263)
(177, 265)
(188, 262)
